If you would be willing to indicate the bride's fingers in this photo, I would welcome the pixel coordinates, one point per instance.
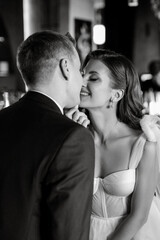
(155, 120)
(76, 115)
(69, 113)
(81, 119)
(149, 124)
(150, 119)
(86, 122)
(79, 116)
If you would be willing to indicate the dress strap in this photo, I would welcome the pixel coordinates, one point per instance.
(157, 134)
(137, 151)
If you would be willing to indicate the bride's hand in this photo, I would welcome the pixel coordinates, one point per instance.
(77, 116)
(150, 124)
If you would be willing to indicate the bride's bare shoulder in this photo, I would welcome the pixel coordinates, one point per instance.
(128, 135)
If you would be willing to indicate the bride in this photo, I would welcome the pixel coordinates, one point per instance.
(125, 202)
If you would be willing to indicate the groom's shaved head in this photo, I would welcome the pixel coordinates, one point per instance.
(40, 53)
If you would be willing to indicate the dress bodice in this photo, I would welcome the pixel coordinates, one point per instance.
(112, 196)
(119, 183)
(112, 193)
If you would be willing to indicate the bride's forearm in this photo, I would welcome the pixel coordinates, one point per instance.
(128, 228)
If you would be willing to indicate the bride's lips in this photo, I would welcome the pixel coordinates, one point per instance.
(84, 92)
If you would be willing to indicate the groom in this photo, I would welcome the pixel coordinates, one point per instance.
(46, 160)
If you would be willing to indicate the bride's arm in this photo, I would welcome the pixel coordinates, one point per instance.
(150, 125)
(146, 178)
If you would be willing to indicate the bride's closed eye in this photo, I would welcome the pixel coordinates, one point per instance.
(93, 78)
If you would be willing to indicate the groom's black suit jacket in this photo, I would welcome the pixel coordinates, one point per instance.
(46, 172)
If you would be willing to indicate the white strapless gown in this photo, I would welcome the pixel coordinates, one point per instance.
(111, 201)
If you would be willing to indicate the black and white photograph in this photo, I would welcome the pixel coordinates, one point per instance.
(80, 120)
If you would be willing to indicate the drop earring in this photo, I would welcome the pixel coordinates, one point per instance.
(110, 104)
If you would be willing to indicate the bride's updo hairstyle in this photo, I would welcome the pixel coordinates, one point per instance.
(123, 76)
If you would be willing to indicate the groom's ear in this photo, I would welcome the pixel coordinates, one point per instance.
(64, 67)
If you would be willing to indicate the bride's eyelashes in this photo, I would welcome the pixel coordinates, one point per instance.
(93, 78)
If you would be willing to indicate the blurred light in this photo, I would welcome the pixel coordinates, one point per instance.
(2, 39)
(4, 68)
(146, 76)
(155, 6)
(154, 108)
(132, 3)
(99, 5)
(26, 18)
(99, 34)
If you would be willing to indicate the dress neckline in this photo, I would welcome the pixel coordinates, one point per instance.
(117, 172)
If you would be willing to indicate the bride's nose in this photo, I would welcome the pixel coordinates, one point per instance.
(84, 81)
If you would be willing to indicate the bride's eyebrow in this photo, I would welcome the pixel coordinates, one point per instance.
(93, 72)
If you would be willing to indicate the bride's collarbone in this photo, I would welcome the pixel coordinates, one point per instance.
(106, 165)
(112, 157)
(116, 143)
(112, 145)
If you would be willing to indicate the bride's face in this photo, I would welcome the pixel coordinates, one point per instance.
(96, 90)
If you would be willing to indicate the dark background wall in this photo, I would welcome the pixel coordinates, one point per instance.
(146, 37)
(11, 19)
(119, 20)
(133, 31)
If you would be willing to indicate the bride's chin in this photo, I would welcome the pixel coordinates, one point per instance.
(84, 104)
(81, 105)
